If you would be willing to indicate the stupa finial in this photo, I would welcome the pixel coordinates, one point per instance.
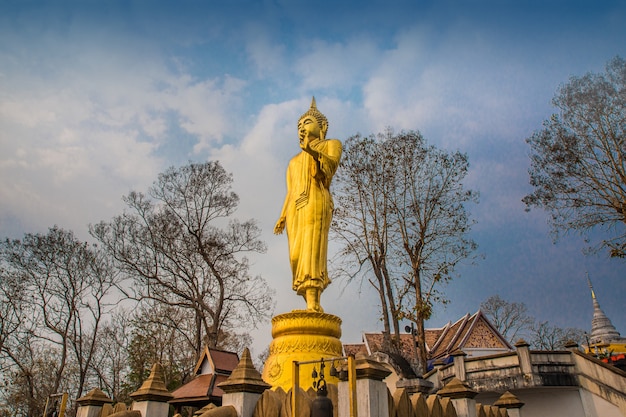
(593, 295)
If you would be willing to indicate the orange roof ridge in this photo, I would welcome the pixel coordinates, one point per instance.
(459, 331)
(472, 323)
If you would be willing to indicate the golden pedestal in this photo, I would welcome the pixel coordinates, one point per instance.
(301, 335)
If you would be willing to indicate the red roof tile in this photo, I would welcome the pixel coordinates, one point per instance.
(353, 349)
(224, 361)
(202, 388)
(194, 390)
(374, 341)
(221, 361)
(217, 391)
(431, 336)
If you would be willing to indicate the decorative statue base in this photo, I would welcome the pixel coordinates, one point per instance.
(301, 335)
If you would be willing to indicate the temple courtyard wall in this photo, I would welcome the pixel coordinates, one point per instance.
(521, 383)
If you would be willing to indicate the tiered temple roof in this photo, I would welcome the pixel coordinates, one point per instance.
(213, 368)
(474, 334)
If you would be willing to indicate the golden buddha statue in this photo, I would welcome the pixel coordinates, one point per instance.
(308, 207)
(311, 334)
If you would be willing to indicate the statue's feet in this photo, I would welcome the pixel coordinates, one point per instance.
(315, 307)
(312, 297)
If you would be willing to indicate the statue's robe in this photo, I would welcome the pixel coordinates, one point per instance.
(309, 213)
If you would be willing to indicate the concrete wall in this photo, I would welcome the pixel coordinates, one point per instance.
(602, 380)
(550, 383)
(596, 406)
(555, 402)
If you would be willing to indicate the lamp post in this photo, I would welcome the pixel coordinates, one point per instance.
(411, 329)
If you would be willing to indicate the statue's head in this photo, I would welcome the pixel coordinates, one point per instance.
(321, 119)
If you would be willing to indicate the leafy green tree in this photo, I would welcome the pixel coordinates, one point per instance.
(578, 159)
(160, 333)
(182, 248)
(402, 222)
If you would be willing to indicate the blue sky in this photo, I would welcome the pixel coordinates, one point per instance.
(97, 98)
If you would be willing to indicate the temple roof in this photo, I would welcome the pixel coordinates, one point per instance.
(203, 388)
(213, 368)
(469, 333)
(216, 361)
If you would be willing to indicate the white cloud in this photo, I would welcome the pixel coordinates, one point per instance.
(336, 66)
(76, 139)
(267, 56)
(457, 86)
(205, 108)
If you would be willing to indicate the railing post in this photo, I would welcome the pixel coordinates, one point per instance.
(511, 403)
(295, 389)
(461, 396)
(352, 385)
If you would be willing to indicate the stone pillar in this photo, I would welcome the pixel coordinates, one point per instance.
(91, 404)
(512, 404)
(372, 395)
(523, 354)
(151, 399)
(244, 387)
(343, 399)
(459, 364)
(461, 396)
(437, 365)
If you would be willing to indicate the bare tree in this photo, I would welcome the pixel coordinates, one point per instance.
(548, 337)
(183, 249)
(511, 319)
(578, 160)
(19, 356)
(110, 364)
(401, 216)
(65, 285)
(29, 381)
(14, 307)
(362, 223)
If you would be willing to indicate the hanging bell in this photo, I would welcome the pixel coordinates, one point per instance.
(314, 374)
(333, 371)
(322, 406)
